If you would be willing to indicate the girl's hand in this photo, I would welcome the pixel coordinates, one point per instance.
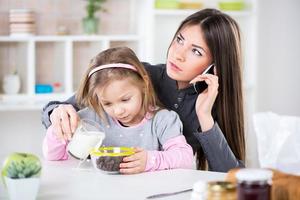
(134, 164)
(64, 119)
(206, 99)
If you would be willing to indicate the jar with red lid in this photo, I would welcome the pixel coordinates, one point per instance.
(254, 184)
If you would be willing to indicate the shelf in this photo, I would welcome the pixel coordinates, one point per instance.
(13, 39)
(172, 12)
(83, 52)
(9, 51)
(178, 12)
(29, 102)
(52, 60)
(240, 13)
(54, 38)
(50, 63)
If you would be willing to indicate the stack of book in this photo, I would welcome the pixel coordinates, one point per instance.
(22, 22)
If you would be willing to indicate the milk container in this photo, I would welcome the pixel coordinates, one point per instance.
(87, 136)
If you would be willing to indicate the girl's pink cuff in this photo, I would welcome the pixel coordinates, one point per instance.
(53, 147)
(176, 154)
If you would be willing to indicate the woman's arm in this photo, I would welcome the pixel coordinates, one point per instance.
(215, 147)
(177, 153)
(217, 151)
(62, 116)
(49, 107)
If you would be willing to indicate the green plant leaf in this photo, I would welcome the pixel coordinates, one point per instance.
(21, 165)
(93, 6)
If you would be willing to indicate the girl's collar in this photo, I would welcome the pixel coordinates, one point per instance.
(147, 117)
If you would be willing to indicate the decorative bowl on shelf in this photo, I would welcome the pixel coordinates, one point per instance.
(11, 83)
(232, 5)
(108, 159)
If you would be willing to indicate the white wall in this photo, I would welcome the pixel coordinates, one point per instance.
(278, 86)
(20, 131)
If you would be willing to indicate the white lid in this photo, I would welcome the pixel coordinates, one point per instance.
(197, 196)
(200, 186)
(254, 175)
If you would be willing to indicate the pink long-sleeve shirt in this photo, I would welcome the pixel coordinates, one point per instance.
(176, 152)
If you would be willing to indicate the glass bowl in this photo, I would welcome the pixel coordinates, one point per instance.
(108, 159)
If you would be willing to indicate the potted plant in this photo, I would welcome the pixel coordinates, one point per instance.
(21, 175)
(90, 22)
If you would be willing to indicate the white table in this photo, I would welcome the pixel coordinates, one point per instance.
(61, 180)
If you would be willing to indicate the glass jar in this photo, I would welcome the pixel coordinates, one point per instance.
(254, 184)
(221, 190)
(199, 191)
(89, 134)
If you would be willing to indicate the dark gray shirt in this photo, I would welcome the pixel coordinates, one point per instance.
(216, 149)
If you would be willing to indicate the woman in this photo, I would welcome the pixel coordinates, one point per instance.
(213, 120)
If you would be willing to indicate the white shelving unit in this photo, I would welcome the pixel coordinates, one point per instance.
(68, 56)
(66, 59)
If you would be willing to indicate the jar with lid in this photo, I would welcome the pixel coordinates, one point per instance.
(221, 190)
(199, 191)
(254, 184)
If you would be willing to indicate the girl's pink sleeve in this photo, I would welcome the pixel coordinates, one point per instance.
(177, 153)
(53, 147)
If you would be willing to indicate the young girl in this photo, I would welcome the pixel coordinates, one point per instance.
(118, 94)
(213, 121)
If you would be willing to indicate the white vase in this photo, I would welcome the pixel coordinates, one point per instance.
(11, 84)
(24, 188)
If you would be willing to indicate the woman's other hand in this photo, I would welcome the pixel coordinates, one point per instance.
(134, 164)
(64, 119)
(206, 99)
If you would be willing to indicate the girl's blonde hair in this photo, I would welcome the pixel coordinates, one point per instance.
(87, 95)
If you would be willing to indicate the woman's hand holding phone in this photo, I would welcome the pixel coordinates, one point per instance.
(206, 98)
(200, 86)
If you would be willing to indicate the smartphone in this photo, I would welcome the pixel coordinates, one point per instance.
(200, 86)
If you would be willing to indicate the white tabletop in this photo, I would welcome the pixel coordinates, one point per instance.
(61, 180)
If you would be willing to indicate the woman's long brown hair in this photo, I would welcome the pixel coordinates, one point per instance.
(222, 36)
